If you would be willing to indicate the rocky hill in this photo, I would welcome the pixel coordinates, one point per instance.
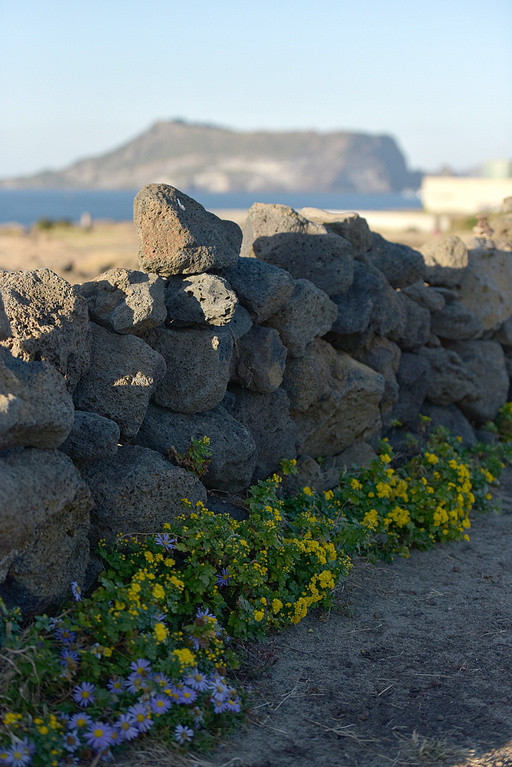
(208, 158)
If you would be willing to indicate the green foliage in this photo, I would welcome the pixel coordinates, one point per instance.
(196, 458)
(45, 224)
(155, 630)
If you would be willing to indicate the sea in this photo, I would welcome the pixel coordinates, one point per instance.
(28, 206)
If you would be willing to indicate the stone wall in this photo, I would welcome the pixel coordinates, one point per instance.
(305, 335)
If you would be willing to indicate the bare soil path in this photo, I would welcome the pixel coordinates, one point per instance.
(414, 667)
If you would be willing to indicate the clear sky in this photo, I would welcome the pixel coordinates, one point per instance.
(78, 78)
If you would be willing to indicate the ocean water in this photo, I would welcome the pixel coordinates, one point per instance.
(26, 206)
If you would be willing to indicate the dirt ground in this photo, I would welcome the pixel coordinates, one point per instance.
(412, 668)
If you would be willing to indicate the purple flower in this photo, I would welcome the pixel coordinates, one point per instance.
(205, 613)
(115, 685)
(183, 734)
(141, 666)
(232, 704)
(163, 539)
(224, 577)
(141, 716)
(18, 755)
(83, 694)
(197, 681)
(99, 736)
(76, 591)
(79, 721)
(134, 682)
(159, 704)
(187, 696)
(71, 741)
(126, 728)
(198, 715)
(65, 635)
(219, 706)
(219, 690)
(161, 680)
(173, 693)
(70, 659)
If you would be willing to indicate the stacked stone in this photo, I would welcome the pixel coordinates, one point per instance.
(310, 343)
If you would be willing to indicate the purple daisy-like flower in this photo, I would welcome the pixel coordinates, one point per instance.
(161, 680)
(18, 755)
(141, 666)
(183, 734)
(204, 613)
(220, 691)
(163, 539)
(72, 741)
(141, 715)
(99, 735)
(83, 694)
(79, 721)
(232, 704)
(197, 681)
(224, 578)
(76, 591)
(134, 683)
(160, 704)
(69, 659)
(173, 693)
(125, 726)
(187, 696)
(219, 706)
(116, 685)
(65, 636)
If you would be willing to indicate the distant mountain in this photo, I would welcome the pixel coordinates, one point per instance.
(209, 158)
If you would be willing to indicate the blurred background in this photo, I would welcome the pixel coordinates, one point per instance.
(400, 111)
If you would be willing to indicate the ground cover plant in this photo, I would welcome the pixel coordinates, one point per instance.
(151, 647)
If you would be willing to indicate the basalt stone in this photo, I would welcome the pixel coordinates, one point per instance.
(240, 323)
(178, 236)
(452, 419)
(502, 232)
(485, 359)
(124, 374)
(125, 301)
(36, 409)
(355, 305)
(233, 450)
(138, 491)
(261, 288)
(199, 299)
(267, 416)
(504, 334)
(429, 298)
(265, 220)
(5, 328)
(49, 321)
(451, 380)
(92, 438)
(446, 259)
(325, 259)
(258, 360)
(383, 355)
(456, 322)
(309, 313)
(44, 525)
(413, 378)
(486, 287)
(197, 367)
(400, 264)
(351, 226)
(416, 327)
(334, 400)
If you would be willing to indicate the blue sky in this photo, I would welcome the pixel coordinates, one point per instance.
(78, 78)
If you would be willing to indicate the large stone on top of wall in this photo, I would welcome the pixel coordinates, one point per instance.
(266, 219)
(400, 264)
(445, 261)
(485, 359)
(178, 236)
(350, 226)
(126, 301)
(124, 374)
(309, 313)
(231, 444)
(138, 492)
(43, 529)
(49, 321)
(261, 288)
(197, 367)
(267, 416)
(258, 360)
(334, 400)
(36, 409)
(325, 259)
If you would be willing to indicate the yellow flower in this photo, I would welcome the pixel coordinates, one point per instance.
(307, 491)
(355, 485)
(10, 719)
(258, 615)
(158, 592)
(385, 458)
(371, 519)
(160, 632)
(431, 458)
(186, 658)
(149, 556)
(276, 606)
